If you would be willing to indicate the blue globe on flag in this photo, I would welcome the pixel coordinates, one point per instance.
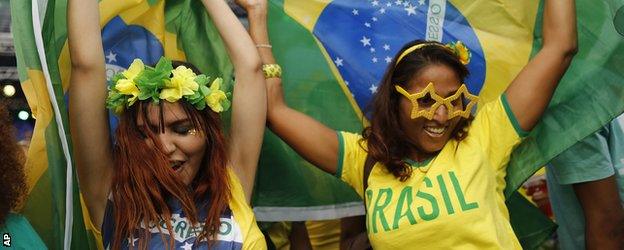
(363, 37)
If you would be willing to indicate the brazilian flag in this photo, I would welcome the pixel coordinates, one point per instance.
(180, 30)
(333, 54)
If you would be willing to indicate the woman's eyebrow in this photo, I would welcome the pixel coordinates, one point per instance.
(178, 122)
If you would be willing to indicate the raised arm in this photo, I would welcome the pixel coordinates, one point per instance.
(604, 216)
(530, 92)
(249, 97)
(314, 141)
(87, 112)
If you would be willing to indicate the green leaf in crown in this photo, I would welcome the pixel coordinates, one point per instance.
(162, 82)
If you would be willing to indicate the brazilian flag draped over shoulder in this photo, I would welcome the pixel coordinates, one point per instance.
(333, 54)
(180, 30)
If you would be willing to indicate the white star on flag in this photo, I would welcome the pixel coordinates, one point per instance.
(338, 61)
(406, 3)
(375, 59)
(421, 2)
(365, 41)
(187, 246)
(367, 24)
(375, 3)
(382, 10)
(388, 59)
(355, 12)
(411, 10)
(386, 47)
(398, 2)
(372, 50)
(373, 89)
(347, 83)
(389, 4)
(111, 57)
(374, 19)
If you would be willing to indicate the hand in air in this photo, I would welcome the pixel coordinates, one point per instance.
(252, 4)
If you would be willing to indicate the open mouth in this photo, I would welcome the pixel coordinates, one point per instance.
(176, 165)
(435, 131)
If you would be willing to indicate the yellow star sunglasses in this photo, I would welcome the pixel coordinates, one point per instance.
(426, 102)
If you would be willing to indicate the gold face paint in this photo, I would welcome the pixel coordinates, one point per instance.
(426, 102)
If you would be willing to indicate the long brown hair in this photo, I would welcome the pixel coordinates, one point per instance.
(11, 167)
(143, 179)
(387, 142)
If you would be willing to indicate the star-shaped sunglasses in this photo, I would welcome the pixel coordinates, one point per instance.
(426, 102)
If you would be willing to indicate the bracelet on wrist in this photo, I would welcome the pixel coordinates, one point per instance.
(272, 71)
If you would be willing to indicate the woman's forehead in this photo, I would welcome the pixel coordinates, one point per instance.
(171, 112)
(444, 79)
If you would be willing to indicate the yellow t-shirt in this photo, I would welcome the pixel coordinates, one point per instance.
(454, 201)
(242, 213)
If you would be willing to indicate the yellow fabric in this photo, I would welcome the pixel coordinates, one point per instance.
(279, 233)
(324, 235)
(97, 234)
(458, 203)
(252, 236)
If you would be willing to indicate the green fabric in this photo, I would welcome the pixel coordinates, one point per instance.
(531, 226)
(340, 154)
(617, 9)
(596, 157)
(418, 164)
(588, 96)
(46, 204)
(18, 234)
(308, 89)
(514, 121)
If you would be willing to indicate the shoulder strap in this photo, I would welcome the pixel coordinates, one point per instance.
(368, 168)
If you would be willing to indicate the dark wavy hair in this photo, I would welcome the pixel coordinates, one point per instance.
(387, 142)
(145, 190)
(12, 176)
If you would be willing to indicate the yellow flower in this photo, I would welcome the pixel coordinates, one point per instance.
(128, 86)
(182, 83)
(462, 52)
(216, 96)
(135, 68)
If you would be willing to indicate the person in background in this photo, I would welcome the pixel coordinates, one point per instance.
(15, 230)
(586, 189)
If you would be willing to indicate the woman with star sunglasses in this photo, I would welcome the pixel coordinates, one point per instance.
(431, 175)
(171, 179)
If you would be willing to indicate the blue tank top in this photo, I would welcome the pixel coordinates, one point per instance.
(229, 236)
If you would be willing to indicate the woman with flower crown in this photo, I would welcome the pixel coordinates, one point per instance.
(431, 175)
(171, 178)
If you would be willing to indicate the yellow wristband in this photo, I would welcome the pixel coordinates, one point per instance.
(272, 71)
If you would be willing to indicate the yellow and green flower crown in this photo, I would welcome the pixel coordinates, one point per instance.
(162, 82)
